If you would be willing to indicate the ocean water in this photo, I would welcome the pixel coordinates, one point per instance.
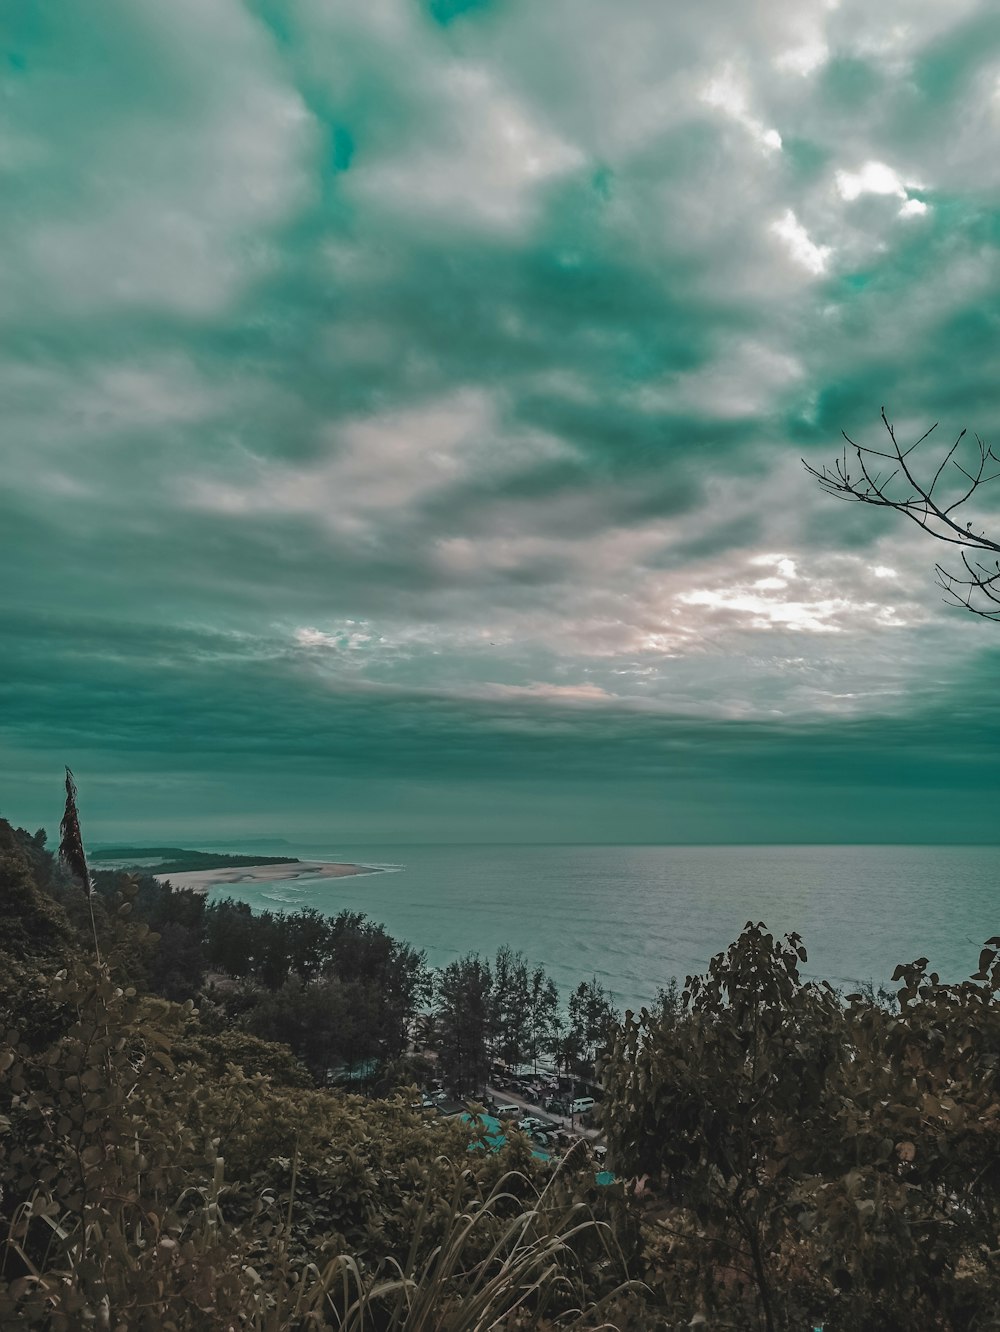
(633, 916)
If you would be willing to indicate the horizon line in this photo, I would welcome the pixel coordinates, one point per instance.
(306, 840)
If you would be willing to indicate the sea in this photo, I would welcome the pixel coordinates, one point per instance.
(635, 916)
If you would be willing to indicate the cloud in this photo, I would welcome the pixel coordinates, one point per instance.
(801, 247)
(726, 92)
(448, 368)
(551, 693)
(176, 148)
(485, 167)
(375, 466)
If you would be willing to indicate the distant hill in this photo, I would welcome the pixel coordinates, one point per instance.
(101, 847)
(250, 841)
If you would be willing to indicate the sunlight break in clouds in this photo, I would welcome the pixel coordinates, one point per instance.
(800, 603)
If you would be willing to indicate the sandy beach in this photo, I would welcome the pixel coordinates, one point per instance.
(200, 881)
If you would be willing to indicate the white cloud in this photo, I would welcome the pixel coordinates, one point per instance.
(802, 248)
(806, 58)
(878, 178)
(489, 156)
(744, 378)
(761, 612)
(351, 637)
(729, 94)
(913, 208)
(376, 471)
(834, 600)
(873, 178)
(163, 192)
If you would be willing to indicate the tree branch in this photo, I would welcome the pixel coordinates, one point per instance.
(978, 589)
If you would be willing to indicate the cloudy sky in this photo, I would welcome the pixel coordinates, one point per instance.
(402, 405)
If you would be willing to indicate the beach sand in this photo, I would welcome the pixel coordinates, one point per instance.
(200, 881)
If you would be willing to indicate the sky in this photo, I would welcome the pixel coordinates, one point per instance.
(402, 407)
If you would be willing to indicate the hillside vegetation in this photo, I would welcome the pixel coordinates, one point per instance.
(787, 1157)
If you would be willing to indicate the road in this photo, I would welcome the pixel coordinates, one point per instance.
(564, 1121)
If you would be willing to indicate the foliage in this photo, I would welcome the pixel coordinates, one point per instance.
(815, 1160)
(217, 1053)
(500, 1011)
(138, 1194)
(330, 1024)
(34, 925)
(787, 1157)
(539, 1259)
(463, 1009)
(591, 1018)
(38, 936)
(95, 1153)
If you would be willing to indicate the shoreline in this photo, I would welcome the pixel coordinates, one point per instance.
(202, 881)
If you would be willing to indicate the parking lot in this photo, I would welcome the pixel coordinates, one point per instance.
(505, 1096)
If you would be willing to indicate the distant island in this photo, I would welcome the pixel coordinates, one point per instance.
(178, 860)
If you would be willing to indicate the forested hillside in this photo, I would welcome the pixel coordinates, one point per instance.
(175, 1153)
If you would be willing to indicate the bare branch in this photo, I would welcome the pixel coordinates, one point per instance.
(978, 589)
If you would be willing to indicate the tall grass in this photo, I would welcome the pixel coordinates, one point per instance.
(502, 1263)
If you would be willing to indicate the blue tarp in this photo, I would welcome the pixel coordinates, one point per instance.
(493, 1137)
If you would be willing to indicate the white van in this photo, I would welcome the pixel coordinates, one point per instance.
(509, 1112)
(581, 1105)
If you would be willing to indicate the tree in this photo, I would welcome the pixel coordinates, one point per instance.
(177, 966)
(463, 1002)
(565, 1045)
(543, 1010)
(888, 479)
(229, 931)
(591, 1017)
(510, 1007)
(832, 1160)
(308, 942)
(716, 1101)
(667, 1004)
(326, 1023)
(361, 951)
